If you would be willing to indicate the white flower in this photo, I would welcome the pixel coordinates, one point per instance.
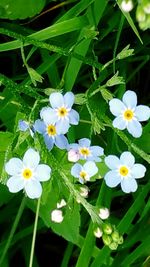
(127, 5)
(128, 114)
(57, 216)
(73, 155)
(27, 174)
(61, 204)
(98, 232)
(84, 191)
(104, 213)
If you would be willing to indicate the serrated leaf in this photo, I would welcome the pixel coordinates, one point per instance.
(20, 9)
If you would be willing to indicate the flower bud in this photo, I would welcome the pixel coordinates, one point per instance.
(146, 6)
(57, 216)
(84, 191)
(104, 213)
(61, 204)
(140, 14)
(106, 239)
(120, 241)
(98, 232)
(115, 236)
(127, 5)
(73, 155)
(113, 246)
(107, 228)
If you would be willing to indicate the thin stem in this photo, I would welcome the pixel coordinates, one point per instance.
(13, 229)
(34, 233)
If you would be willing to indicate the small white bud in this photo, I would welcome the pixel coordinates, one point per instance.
(84, 191)
(147, 8)
(57, 216)
(104, 213)
(127, 5)
(73, 155)
(61, 204)
(98, 232)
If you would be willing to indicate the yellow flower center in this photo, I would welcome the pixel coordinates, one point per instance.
(51, 130)
(128, 114)
(27, 174)
(83, 175)
(84, 151)
(124, 171)
(62, 112)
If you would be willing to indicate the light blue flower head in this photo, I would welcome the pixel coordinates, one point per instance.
(128, 114)
(85, 172)
(124, 171)
(27, 174)
(86, 151)
(61, 112)
(24, 126)
(50, 134)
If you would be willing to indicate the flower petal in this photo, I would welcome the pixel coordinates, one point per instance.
(116, 106)
(73, 146)
(119, 123)
(39, 126)
(14, 166)
(61, 141)
(49, 115)
(97, 150)
(31, 158)
(142, 113)
(138, 170)
(112, 162)
(73, 117)
(91, 168)
(68, 99)
(23, 125)
(112, 179)
(127, 158)
(130, 99)
(129, 185)
(43, 172)
(75, 170)
(134, 128)
(62, 126)
(33, 189)
(49, 142)
(15, 184)
(56, 100)
(84, 142)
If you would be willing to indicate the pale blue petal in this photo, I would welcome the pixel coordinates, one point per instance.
(119, 123)
(138, 171)
(142, 113)
(15, 184)
(112, 162)
(43, 172)
(31, 158)
(68, 99)
(39, 126)
(14, 166)
(127, 158)
(130, 99)
(61, 141)
(112, 179)
(33, 189)
(134, 128)
(76, 169)
(91, 168)
(56, 100)
(73, 146)
(129, 185)
(116, 106)
(97, 150)
(84, 142)
(49, 141)
(23, 125)
(49, 115)
(93, 158)
(62, 126)
(73, 117)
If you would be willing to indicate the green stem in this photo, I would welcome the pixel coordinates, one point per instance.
(13, 229)
(34, 233)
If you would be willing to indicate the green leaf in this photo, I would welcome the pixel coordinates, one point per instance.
(20, 9)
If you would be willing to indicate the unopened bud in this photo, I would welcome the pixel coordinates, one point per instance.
(98, 232)
(84, 191)
(140, 14)
(107, 228)
(120, 241)
(57, 216)
(73, 155)
(61, 204)
(113, 246)
(106, 239)
(104, 213)
(127, 5)
(115, 236)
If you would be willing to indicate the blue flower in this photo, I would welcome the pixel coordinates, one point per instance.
(61, 112)
(85, 172)
(24, 126)
(51, 137)
(124, 171)
(128, 114)
(86, 151)
(27, 174)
